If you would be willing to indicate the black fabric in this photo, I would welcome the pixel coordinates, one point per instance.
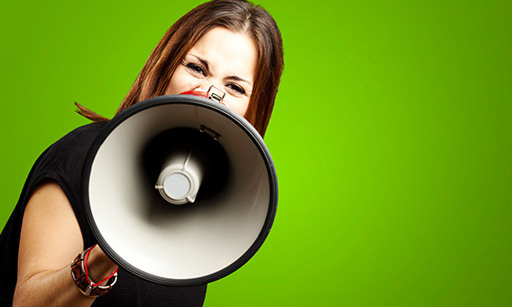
(63, 163)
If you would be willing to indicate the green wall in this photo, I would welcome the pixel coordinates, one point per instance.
(391, 138)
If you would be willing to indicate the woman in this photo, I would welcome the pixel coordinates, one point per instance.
(230, 44)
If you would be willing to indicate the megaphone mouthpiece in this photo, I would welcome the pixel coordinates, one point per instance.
(180, 179)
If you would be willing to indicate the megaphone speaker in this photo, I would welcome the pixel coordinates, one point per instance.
(179, 190)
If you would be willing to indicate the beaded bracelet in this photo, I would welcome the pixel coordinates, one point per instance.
(85, 284)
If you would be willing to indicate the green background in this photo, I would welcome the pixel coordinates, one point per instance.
(391, 138)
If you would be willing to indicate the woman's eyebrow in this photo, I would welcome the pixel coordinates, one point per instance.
(237, 78)
(203, 61)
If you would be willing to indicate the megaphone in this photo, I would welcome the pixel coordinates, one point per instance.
(179, 190)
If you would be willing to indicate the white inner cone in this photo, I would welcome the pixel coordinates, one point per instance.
(177, 186)
(194, 242)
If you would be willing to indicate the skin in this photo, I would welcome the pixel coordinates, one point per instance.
(222, 58)
(50, 239)
(50, 235)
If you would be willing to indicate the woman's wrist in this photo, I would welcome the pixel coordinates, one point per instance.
(88, 264)
(99, 265)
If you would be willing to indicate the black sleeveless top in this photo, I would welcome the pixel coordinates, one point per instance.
(63, 163)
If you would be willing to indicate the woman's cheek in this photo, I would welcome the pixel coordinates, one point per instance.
(238, 106)
(180, 82)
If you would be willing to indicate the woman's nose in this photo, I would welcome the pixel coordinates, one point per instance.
(204, 84)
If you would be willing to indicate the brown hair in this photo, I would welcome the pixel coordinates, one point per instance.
(235, 15)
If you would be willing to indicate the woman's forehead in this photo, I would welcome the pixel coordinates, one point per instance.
(226, 52)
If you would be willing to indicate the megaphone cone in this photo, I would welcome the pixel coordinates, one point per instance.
(179, 190)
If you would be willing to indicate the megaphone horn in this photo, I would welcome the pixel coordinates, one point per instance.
(191, 183)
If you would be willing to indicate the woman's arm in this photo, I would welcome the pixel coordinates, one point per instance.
(50, 240)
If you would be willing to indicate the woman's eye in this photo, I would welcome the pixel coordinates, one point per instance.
(236, 88)
(196, 68)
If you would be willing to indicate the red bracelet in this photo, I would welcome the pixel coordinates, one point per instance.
(87, 272)
(79, 273)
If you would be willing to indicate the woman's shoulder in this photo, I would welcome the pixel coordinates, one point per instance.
(72, 147)
(63, 160)
(80, 137)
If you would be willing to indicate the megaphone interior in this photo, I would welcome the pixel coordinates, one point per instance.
(180, 190)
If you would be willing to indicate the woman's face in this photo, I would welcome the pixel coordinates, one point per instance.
(222, 58)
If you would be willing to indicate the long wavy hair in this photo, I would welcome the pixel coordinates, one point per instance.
(236, 15)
